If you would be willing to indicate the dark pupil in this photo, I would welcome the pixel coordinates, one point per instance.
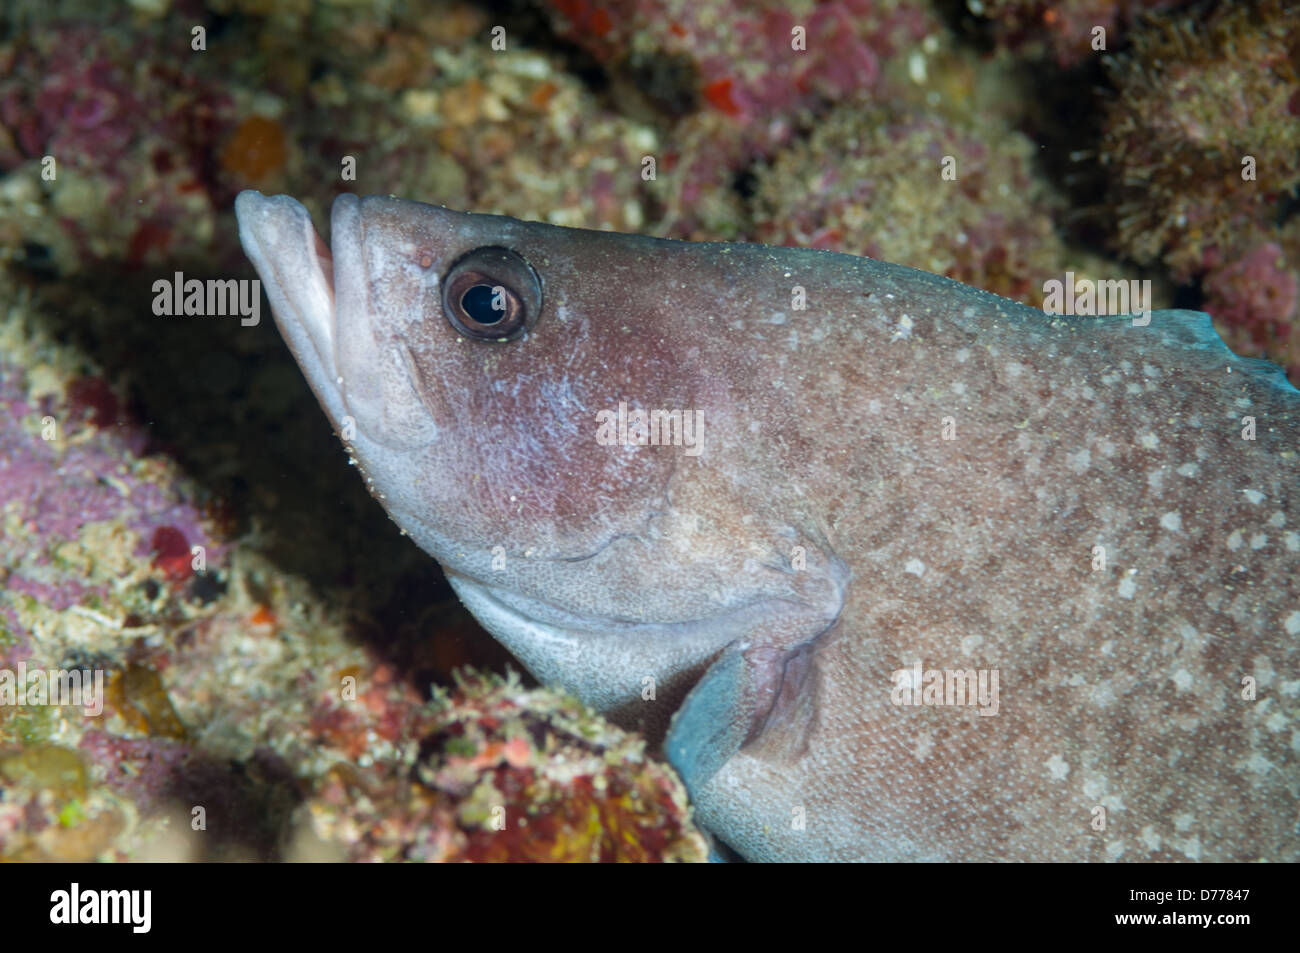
(477, 303)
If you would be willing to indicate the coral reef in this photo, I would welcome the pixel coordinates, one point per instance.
(1062, 29)
(1195, 102)
(951, 198)
(761, 64)
(504, 774)
(108, 154)
(1201, 148)
(740, 81)
(1254, 300)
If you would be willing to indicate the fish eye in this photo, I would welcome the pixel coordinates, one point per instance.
(491, 294)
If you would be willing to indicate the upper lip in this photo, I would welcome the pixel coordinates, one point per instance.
(297, 271)
(295, 264)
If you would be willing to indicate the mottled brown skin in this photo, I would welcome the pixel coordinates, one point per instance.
(829, 535)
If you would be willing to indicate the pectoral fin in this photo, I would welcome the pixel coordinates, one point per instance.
(752, 695)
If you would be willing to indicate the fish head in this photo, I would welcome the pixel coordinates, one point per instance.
(462, 364)
(466, 361)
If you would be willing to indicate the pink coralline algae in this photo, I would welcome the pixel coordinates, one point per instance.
(1201, 147)
(83, 111)
(61, 478)
(1063, 29)
(1255, 298)
(78, 509)
(740, 81)
(113, 137)
(939, 195)
(757, 62)
(506, 774)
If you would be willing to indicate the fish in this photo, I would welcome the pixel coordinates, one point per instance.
(888, 567)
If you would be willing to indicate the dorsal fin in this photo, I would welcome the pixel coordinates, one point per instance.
(1195, 330)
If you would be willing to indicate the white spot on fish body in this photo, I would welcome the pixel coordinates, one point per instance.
(1103, 695)
(1264, 673)
(1149, 838)
(924, 745)
(1258, 764)
(1095, 788)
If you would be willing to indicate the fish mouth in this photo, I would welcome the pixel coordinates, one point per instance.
(321, 299)
(297, 271)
